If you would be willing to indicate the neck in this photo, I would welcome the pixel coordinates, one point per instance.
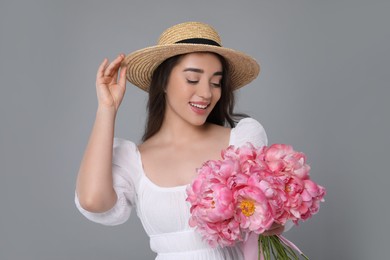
(178, 131)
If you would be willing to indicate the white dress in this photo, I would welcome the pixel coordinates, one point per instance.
(163, 211)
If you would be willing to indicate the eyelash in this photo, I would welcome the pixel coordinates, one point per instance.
(193, 82)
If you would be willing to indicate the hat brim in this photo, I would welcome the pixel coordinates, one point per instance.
(142, 63)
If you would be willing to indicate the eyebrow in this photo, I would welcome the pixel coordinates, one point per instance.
(218, 73)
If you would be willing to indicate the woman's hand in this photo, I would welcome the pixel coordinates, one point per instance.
(111, 89)
(275, 229)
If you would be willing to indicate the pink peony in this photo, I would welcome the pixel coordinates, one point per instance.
(312, 195)
(253, 211)
(248, 190)
(223, 233)
(214, 203)
(282, 158)
(273, 187)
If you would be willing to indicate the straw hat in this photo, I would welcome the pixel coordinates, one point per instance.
(186, 38)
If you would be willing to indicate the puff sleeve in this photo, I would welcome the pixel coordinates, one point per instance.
(123, 185)
(249, 130)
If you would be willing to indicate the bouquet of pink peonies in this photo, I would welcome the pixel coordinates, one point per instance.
(249, 190)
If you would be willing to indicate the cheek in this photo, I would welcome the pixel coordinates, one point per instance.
(217, 94)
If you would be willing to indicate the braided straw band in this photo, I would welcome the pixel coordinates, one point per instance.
(183, 39)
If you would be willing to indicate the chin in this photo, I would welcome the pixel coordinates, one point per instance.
(197, 121)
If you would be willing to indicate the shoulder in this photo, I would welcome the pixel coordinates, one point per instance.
(248, 130)
(219, 132)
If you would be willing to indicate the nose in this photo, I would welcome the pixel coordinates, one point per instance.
(204, 90)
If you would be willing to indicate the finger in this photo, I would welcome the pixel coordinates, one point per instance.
(120, 66)
(275, 225)
(278, 230)
(114, 77)
(114, 66)
(274, 231)
(101, 68)
(122, 76)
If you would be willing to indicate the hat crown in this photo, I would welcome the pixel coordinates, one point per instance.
(189, 30)
(184, 38)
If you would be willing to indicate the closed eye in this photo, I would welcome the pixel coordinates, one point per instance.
(192, 81)
(217, 85)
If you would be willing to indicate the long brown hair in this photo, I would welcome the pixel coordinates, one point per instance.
(222, 114)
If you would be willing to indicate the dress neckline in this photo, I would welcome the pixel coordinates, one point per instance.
(171, 188)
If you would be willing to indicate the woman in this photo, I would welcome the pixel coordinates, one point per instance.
(190, 78)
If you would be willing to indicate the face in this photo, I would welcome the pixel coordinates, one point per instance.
(194, 87)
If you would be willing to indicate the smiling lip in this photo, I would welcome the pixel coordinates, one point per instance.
(199, 107)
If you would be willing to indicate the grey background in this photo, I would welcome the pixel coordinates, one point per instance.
(324, 88)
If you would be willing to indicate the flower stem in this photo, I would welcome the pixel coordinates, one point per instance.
(273, 245)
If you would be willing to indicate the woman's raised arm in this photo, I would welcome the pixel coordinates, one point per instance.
(94, 182)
